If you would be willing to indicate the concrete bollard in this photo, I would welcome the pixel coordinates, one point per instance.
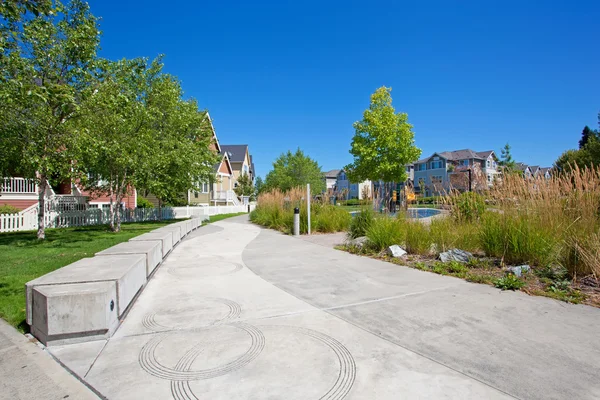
(296, 221)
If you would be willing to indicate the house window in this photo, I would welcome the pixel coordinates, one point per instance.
(490, 178)
(205, 187)
(195, 195)
(436, 180)
(342, 176)
(488, 164)
(464, 162)
(436, 164)
(422, 167)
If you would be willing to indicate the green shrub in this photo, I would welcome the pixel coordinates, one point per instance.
(447, 234)
(143, 202)
(468, 206)
(509, 282)
(354, 202)
(430, 200)
(518, 239)
(328, 218)
(361, 222)
(418, 238)
(385, 232)
(452, 267)
(8, 209)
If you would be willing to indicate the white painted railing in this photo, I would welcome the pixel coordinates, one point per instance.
(18, 186)
(223, 195)
(28, 219)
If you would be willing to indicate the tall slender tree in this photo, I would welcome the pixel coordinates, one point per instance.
(118, 140)
(506, 161)
(45, 60)
(383, 143)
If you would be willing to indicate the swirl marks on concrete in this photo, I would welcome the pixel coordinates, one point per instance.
(149, 321)
(149, 362)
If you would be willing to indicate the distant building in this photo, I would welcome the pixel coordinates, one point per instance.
(432, 174)
(330, 178)
(355, 190)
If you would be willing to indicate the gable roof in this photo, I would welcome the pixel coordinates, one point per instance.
(460, 155)
(545, 170)
(486, 154)
(332, 174)
(224, 157)
(521, 166)
(237, 152)
(213, 131)
(456, 155)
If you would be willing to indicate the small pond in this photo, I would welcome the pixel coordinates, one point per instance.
(414, 212)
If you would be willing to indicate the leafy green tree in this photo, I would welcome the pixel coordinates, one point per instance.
(383, 143)
(244, 186)
(586, 134)
(181, 136)
(45, 61)
(292, 170)
(588, 154)
(118, 139)
(258, 186)
(506, 161)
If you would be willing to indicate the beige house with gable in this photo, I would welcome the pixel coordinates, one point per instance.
(241, 160)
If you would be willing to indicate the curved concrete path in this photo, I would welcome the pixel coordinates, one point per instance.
(238, 312)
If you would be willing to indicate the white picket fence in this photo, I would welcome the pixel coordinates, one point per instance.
(28, 219)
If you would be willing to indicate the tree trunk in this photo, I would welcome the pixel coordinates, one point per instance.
(41, 233)
(111, 215)
(118, 215)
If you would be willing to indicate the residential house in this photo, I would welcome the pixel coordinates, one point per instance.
(22, 194)
(432, 174)
(241, 161)
(546, 172)
(354, 190)
(533, 171)
(219, 190)
(330, 178)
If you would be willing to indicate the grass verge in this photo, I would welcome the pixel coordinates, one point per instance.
(215, 218)
(25, 258)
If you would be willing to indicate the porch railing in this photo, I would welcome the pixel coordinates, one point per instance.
(18, 186)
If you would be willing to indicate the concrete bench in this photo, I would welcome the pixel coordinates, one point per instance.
(74, 312)
(164, 237)
(55, 296)
(151, 249)
(175, 230)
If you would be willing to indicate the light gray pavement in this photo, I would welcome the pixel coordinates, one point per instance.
(28, 372)
(238, 312)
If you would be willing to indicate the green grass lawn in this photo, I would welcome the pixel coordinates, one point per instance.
(215, 218)
(23, 258)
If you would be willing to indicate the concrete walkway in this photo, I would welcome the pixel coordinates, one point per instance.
(28, 372)
(237, 312)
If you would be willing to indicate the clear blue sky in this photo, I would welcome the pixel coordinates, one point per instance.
(280, 75)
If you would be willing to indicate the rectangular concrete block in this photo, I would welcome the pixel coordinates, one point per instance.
(188, 225)
(74, 312)
(128, 272)
(175, 230)
(165, 237)
(151, 249)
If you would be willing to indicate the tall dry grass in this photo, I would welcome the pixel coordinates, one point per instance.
(546, 221)
(275, 210)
